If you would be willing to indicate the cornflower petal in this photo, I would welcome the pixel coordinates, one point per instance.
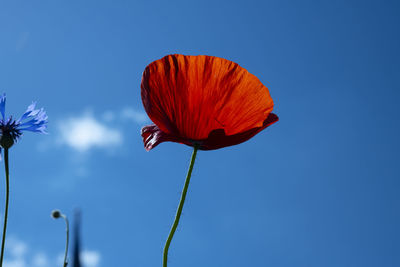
(42, 116)
(3, 105)
(34, 125)
(30, 112)
(34, 120)
(35, 128)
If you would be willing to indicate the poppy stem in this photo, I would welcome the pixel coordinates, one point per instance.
(56, 214)
(180, 207)
(6, 209)
(67, 240)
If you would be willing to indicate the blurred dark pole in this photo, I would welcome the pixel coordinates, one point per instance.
(77, 224)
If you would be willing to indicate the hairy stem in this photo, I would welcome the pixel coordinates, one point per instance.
(67, 242)
(180, 207)
(6, 209)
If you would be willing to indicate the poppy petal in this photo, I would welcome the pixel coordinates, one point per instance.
(190, 96)
(218, 138)
(153, 136)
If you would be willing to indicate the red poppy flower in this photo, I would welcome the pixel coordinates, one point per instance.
(203, 101)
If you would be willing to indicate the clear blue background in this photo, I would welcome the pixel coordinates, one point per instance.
(318, 188)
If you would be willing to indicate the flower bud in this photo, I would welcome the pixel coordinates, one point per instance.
(56, 214)
(6, 140)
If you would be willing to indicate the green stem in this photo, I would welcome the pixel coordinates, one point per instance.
(67, 242)
(6, 209)
(180, 207)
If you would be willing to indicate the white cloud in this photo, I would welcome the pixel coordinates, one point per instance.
(60, 259)
(131, 114)
(85, 132)
(16, 251)
(90, 258)
(15, 263)
(40, 260)
(20, 254)
(108, 116)
(16, 247)
(22, 41)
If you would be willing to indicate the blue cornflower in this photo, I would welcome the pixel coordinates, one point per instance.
(34, 120)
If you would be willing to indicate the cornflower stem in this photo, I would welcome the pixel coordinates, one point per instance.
(6, 209)
(180, 207)
(67, 240)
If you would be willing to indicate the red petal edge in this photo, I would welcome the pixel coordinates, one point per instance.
(152, 136)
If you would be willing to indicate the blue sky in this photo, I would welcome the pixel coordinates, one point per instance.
(318, 188)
